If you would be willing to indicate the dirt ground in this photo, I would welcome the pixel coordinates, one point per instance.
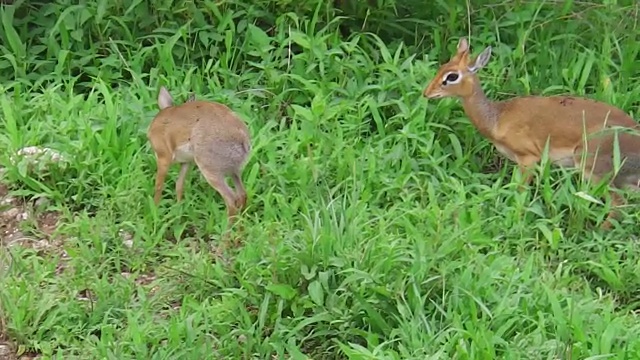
(14, 213)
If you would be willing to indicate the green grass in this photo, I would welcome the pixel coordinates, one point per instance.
(379, 225)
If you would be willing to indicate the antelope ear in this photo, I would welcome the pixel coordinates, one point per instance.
(164, 98)
(481, 60)
(463, 45)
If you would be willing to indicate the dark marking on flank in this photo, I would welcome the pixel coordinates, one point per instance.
(566, 101)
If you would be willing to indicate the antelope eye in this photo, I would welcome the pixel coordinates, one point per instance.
(451, 77)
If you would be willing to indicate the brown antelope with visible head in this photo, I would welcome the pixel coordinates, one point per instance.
(578, 130)
(206, 133)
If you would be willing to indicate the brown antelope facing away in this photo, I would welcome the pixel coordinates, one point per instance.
(206, 133)
(578, 130)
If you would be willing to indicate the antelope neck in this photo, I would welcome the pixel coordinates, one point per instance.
(482, 112)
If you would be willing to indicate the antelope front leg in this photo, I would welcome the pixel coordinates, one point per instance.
(526, 168)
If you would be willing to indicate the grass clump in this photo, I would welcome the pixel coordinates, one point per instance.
(379, 225)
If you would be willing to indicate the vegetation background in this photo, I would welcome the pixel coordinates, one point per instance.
(380, 225)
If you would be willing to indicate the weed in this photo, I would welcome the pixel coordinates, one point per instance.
(379, 225)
